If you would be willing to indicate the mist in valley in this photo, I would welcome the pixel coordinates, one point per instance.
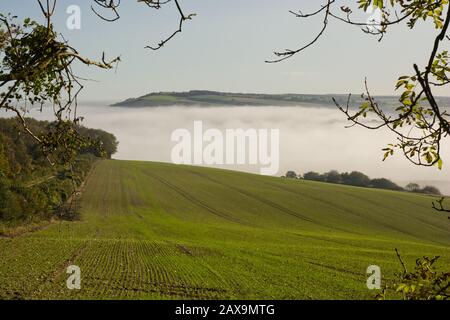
(311, 138)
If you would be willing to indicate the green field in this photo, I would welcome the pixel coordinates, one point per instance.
(161, 231)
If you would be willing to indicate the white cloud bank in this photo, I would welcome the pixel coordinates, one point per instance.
(310, 138)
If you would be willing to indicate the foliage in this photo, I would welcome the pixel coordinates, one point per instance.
(424, 283)
(314, 176)
(30, 188)
(334, 176)
(383, 183)
(412, 187)
(357, 179)
(430, 190)
(36, 70)
(291, 175)
(102, 144)
(420, 122)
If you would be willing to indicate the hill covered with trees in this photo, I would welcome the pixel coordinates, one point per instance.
(35, 186)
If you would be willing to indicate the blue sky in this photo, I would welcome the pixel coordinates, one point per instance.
(225, 45)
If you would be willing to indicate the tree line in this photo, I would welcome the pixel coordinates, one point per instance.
(359, 179)
(33, 188)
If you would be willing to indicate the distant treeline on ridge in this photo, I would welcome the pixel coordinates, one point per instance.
(359, 179)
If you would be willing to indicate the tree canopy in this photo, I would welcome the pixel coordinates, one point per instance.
(30, 188)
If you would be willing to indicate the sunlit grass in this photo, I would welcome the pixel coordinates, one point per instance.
(160, 231)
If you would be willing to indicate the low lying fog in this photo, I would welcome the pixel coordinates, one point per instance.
(311, 139)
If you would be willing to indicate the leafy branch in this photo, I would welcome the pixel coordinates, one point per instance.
(424, 283)
(419, 122)
(36, 68)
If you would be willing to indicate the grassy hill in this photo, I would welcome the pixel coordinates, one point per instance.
(161, 231)
(216, 98)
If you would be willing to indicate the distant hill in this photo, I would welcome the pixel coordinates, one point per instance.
(215, 98)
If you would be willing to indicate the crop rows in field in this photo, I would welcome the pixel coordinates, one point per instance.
(159, 231)
(27, 265)
(128, 269)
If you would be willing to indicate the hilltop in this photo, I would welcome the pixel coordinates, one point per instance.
(216, 98)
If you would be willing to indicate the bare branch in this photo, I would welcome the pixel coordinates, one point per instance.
(183, 18)
(288, 53)
(439, 205)
(376, 28)
(405, 271)
(107, 4)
